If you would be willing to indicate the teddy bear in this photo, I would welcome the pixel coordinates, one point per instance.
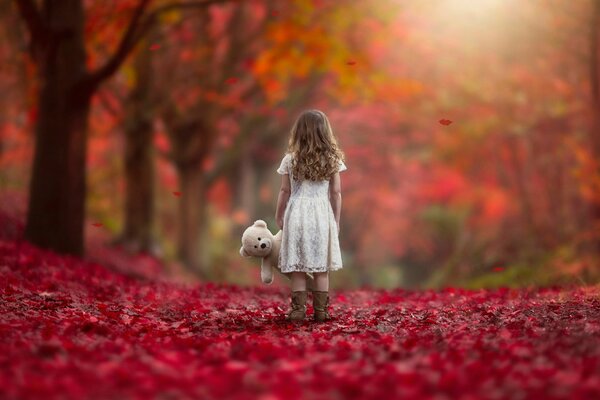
(258, 241)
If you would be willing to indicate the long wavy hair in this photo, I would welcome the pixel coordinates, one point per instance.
(315, 152)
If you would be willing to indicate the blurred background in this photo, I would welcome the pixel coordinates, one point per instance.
(145, 135)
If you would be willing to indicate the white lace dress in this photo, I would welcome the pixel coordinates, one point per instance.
(309, 241)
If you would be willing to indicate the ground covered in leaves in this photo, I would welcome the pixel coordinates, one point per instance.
(74, 329)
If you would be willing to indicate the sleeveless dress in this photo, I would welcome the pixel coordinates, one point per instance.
(309, 241)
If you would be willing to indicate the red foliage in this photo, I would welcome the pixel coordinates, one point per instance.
(77, 330)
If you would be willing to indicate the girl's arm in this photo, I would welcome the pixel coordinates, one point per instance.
(284, 196)
(335, 197)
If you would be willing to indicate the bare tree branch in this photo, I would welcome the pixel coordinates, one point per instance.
(137, 29)
(125, 46)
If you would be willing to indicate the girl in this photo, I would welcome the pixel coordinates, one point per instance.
(308, 211)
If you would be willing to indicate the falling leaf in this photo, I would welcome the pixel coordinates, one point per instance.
(351, 62)
(154, 47)
(177, 194)
(231, 81)
(498, 269)
(97, 224)
(445, 122)
(275, 13)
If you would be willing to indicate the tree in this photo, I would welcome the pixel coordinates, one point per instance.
(595, 132)
(139, 158)
(58, 185)
(191, 119)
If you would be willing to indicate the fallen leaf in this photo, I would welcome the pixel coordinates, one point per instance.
(154, 338)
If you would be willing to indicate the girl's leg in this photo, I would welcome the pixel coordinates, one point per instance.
(321, 281)
(298, 281)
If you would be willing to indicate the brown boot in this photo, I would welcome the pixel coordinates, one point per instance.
(320, 304)
(298, 311)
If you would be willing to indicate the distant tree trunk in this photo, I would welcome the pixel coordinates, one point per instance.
(247, 182)
(192, 204)
(239, 159)
(57, 190)
(595, 135)
(234, 172)
(522, 175)
(137, 234)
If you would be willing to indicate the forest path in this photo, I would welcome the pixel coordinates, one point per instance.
(74, 329)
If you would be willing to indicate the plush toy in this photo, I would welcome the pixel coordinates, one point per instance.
(258, 241)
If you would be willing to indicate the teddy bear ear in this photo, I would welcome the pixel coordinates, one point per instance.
(260, 223)
(243, 252)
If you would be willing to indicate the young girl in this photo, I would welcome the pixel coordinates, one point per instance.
(308, 211)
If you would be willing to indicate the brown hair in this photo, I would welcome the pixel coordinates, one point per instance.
(315, 152)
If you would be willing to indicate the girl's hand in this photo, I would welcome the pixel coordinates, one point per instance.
(280, 223)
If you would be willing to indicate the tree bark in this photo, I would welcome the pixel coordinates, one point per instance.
(57, 188)
(247, 181)
(192, 204)
(595, 132)
(139, 207)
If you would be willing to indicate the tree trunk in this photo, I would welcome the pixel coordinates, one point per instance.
(595, 133)
(137, 233)
(192, 204)
(247, 182)
(57, 189)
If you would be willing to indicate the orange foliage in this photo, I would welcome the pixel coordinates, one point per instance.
(588, 173)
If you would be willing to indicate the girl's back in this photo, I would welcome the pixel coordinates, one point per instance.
(305, 187)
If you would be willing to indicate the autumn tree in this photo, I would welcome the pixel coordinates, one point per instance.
(594, 70)
(58, 183)
(139, 157)
(191, 116)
